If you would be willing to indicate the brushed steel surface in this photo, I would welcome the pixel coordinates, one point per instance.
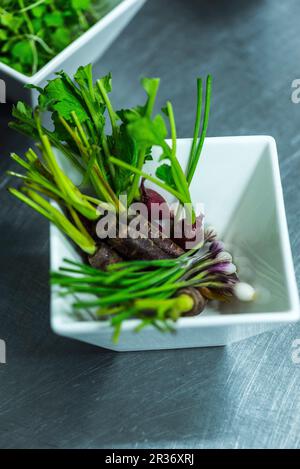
(58, 393)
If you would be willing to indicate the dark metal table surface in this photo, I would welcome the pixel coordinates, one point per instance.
(60, 393)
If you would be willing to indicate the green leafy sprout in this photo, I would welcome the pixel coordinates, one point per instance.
(139, 289)
(110, 164)
(109, 149)
(33, 32)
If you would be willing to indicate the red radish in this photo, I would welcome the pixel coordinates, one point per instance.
(150, 198)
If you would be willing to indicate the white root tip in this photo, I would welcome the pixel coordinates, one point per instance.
(230, 269)
(224, 256)
(210, 232)
(244, 292)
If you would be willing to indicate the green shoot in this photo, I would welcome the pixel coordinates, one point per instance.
(197, 148)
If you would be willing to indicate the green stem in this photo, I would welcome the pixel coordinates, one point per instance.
(136, 179)
(26, 17)
(107, 156)
(33, 5)
(71, 193)
(111, 112)
(80, 129)
(40, 41)
(195, 158)
(156, 181)
(82, 20)
(177, 172)
(197, 122)
(35, 201)
(97, 179)
(175, 306)
(35, 57)
(78, 222)
(173, 129)
(127, 296)
(152, 98)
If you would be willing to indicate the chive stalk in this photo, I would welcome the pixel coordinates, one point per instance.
(195, 153)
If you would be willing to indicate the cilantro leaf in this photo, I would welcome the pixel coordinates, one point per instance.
(23, 51)
(61, 38)
(164, 173)
(147, 132)
(81, 4)
(54, 19)
(58, 96)
(9, 20)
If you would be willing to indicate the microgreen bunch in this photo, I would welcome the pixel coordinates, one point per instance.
(46, 178)
(158, 292)
(112, 163)
(109, 149)
(33, 32)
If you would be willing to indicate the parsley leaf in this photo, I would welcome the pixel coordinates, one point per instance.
(164, 173)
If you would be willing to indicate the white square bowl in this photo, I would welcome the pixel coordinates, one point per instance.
(238, 181)
(85, 49)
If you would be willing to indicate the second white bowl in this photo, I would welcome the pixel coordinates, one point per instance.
(86, 49)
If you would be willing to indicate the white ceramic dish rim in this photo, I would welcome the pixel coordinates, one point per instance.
(287, 316)
(72, 47)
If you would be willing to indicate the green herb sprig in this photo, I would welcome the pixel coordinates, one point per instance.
(109, 149)
(112, 164)
(145, 289)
